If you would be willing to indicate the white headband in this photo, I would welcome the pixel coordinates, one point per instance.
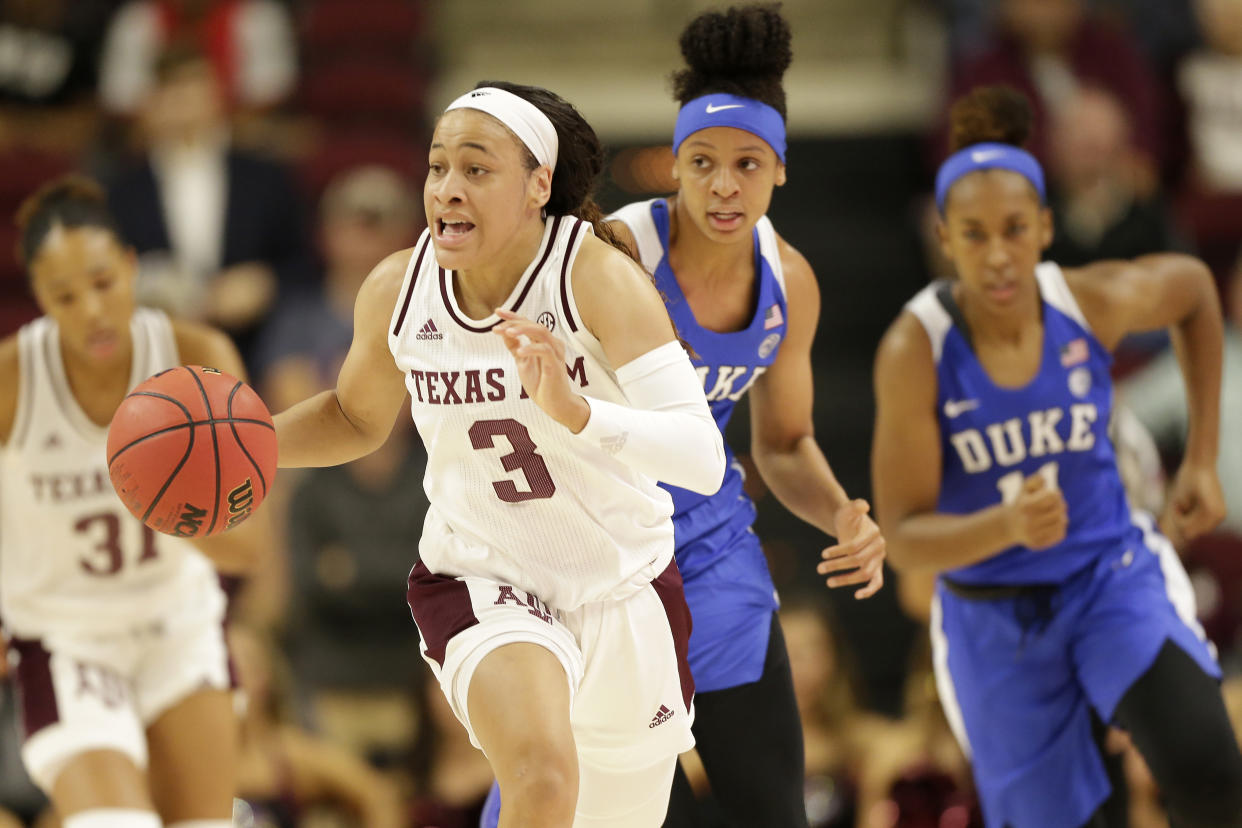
(527, 121)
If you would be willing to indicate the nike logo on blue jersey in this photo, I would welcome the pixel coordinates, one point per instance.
(711, 110)
(953, 408)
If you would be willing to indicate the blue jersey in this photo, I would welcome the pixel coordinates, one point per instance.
(1056, 425)
(726, 577)
(728, 363)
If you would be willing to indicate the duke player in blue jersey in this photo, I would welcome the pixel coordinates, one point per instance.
(747, 304)
(1056, 609)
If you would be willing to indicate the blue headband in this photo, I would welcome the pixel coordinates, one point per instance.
(988, 156)
(725, 110)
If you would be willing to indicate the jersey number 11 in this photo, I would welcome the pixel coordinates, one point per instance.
(1011, 484)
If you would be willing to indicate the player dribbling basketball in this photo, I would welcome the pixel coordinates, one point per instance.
(551, 393)
(115, 631)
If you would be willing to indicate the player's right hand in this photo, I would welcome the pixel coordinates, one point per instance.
(1039, 517)
(540, 359)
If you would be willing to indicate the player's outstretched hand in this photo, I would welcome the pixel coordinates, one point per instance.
(1195, 504)
(540, 359)
(860, 547)
(1039, 516)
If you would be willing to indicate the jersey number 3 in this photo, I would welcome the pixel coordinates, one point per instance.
(540, 486)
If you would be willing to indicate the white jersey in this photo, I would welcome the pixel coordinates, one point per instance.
(515, 496)
(72, 559)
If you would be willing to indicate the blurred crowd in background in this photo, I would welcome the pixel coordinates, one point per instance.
(262, 155)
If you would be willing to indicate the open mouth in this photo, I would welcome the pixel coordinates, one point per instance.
(450, 230)
(725, 219)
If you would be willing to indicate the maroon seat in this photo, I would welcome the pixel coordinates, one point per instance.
(362, 27)
(23, 170)
(365, 92)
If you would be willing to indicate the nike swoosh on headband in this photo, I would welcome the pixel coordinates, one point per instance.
(984, 156)
(752, 116)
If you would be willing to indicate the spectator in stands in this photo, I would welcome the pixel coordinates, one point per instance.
(1103, 201)
(250, 45)
(863, 770)
(911, 772)
(217, 230)
(1208, 80)
(1102, 204)
(1048, 49)
(284, 772)
(450, 777)
(1165, 31)
(349, 530)
(834, 726)
(365, 213)
(348, 527)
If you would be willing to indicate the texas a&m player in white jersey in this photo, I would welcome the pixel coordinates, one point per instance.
(548, 386)
(115, 632)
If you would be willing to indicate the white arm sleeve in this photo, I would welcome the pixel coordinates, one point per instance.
(667, 432)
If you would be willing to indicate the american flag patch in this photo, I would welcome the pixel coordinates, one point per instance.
(772, 317)
(1074, 352)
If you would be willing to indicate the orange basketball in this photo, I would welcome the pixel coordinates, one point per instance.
(192, 451)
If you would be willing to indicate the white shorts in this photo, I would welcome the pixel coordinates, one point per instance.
(631, 694)
(79, 692)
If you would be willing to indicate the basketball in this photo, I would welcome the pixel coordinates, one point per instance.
(192, 451)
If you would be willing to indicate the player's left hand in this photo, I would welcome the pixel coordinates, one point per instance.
(540, 362)
(1195, 504)
(860, 547)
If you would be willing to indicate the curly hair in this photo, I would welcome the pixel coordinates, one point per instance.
(743, 51)
(998, 114)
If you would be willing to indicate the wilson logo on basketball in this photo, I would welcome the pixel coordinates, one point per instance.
(191, 521)
(241, 502)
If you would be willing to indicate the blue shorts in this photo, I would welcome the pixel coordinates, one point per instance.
(731, 598)
(1020, 676)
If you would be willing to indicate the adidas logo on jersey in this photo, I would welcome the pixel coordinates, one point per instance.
(662, 715)
(429, 331)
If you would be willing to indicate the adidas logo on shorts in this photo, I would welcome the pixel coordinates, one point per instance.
(662, 715)
(429, 331)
